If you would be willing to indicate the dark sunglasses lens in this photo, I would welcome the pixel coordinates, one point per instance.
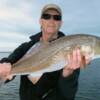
(46, 16)
(57, 17)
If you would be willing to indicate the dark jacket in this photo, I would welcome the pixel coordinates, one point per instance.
(51, 86)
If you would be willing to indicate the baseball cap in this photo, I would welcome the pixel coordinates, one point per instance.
(51, 6)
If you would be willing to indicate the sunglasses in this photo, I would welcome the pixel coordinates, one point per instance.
(49, 16)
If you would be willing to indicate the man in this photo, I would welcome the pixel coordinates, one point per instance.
(57, 85)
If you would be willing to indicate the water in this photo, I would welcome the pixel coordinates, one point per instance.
(89, 84)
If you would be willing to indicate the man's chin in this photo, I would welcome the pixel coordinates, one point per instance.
(50, 31)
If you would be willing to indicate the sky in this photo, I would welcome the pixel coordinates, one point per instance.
(19, 19)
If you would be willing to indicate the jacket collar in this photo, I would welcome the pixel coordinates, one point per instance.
(38, 35)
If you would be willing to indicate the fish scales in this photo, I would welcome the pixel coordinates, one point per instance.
(54, 53)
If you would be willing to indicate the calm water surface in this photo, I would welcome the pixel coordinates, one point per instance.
(89, 84)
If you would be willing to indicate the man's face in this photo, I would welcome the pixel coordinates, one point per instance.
(49, 24)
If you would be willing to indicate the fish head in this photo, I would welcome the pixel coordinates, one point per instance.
(92, 47)
(97, 46)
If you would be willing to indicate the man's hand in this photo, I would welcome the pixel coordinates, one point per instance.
(75, 61)
(5, 71)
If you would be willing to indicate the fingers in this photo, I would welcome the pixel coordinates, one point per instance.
(9, 77)
(5, 70)
(75, 61)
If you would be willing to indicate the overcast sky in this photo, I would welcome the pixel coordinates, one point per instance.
(19, 19)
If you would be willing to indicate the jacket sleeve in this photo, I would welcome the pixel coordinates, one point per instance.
(68, 86)
(17, 53)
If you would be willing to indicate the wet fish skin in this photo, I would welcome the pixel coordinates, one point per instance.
(52, 56)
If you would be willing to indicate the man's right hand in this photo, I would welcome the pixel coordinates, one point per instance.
(5, 71)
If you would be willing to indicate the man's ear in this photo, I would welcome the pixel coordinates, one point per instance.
(40, 21)
(61, 22)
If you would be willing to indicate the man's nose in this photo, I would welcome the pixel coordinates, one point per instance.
(51, 19)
